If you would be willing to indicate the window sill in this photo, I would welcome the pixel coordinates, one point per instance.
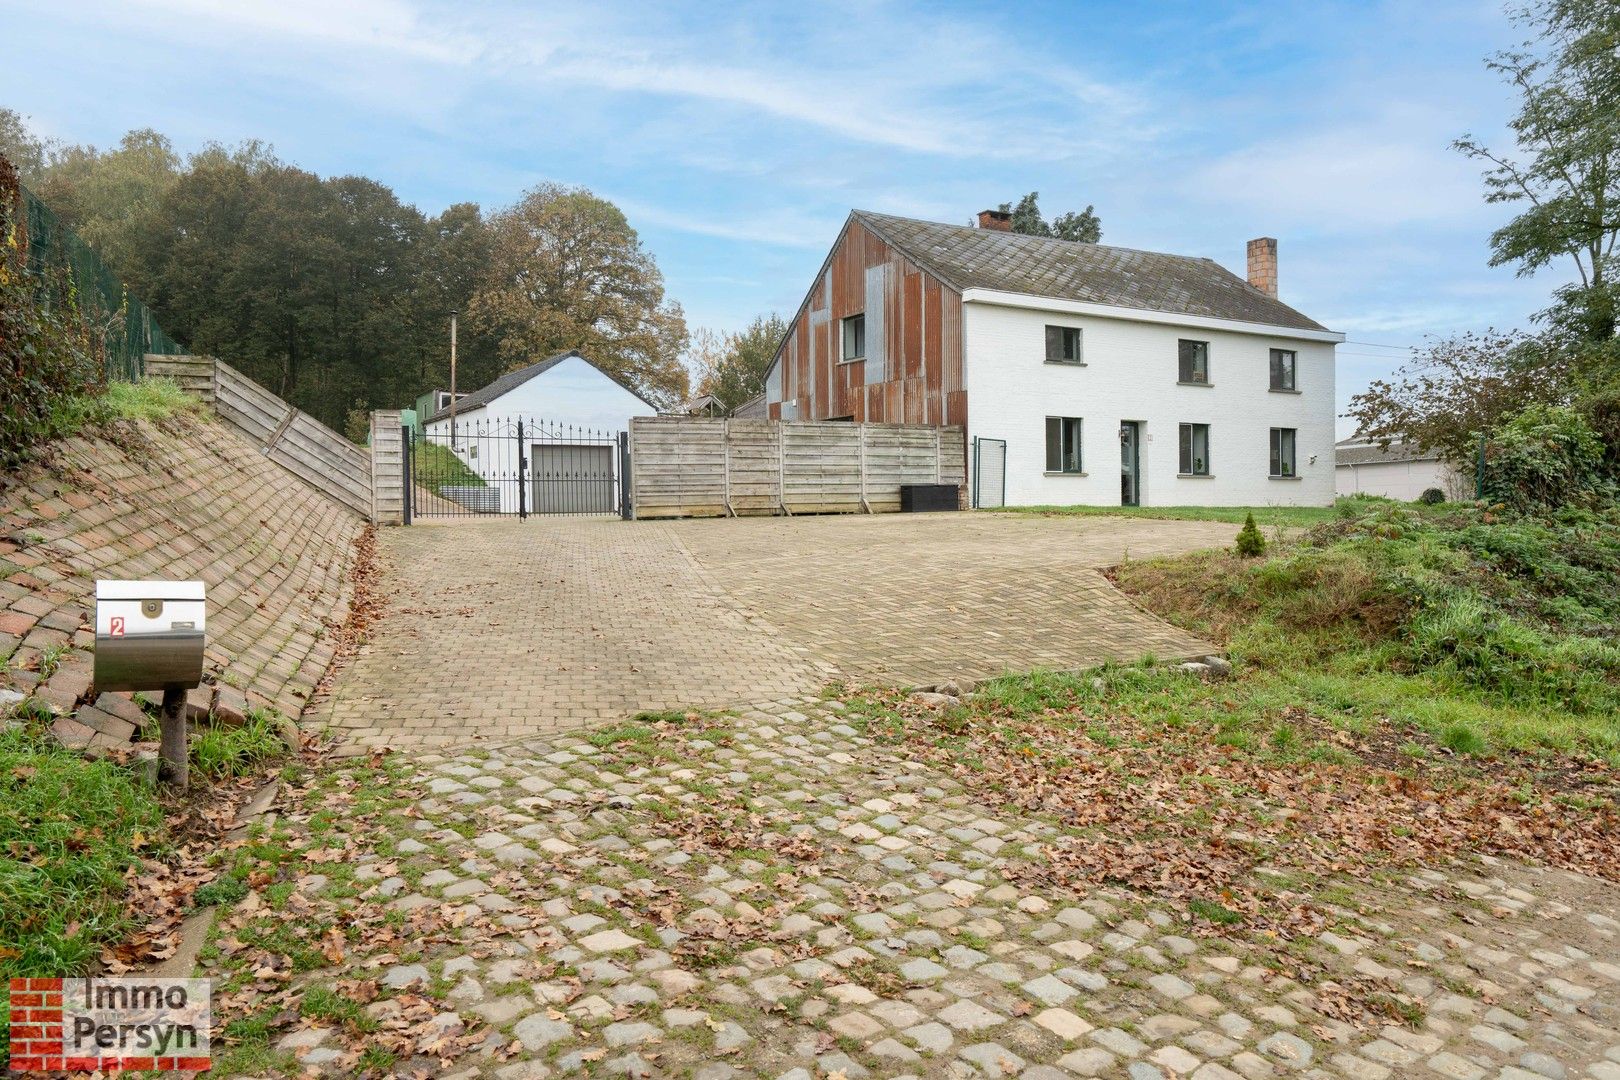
(1283, 390)
(1050, 473)
(1065, 363)
(1195, 476)
(1283, 478)
(852, 360)
(1188, 382)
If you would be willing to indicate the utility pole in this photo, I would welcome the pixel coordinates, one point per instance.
(452, 377)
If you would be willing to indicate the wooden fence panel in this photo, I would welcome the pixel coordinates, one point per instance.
(387, 468)
(700, 467)
(195, 374)
(296, 441)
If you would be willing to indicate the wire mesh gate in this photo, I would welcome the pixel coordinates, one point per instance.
(989, 473)
(513, 468)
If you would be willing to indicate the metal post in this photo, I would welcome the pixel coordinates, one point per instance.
(174, 767)
(626, 509)
(523, 487)
(452, 378)
(975, 498)
(405, 467)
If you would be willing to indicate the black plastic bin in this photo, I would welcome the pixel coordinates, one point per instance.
(921, 498)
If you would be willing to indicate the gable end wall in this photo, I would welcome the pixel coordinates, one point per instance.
(912, 373)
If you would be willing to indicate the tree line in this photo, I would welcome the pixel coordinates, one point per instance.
(1542, 403)
(336, 295)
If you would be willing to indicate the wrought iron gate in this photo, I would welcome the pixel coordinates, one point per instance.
(989, 473)
(489, 467)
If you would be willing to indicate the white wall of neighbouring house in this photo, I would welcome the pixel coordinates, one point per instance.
(571, 404)
(1404, 480)
(1130, 372)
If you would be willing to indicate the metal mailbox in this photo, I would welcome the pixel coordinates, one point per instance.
(149, 635)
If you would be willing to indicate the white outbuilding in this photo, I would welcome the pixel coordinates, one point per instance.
(544, 438)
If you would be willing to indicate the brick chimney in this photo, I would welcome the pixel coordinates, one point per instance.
(999, 220)
(1263, 264)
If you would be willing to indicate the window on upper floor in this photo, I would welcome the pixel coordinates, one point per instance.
(855, 337)
(1063, 345)
(1194, 450)
(1284, 369)
(1282, 451)
(1063, 444)
(1194, 367)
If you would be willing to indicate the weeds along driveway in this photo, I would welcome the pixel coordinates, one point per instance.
(496, 630)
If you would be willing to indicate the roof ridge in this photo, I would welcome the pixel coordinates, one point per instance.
(1046, 239)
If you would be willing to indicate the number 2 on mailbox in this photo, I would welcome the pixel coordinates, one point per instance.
(117, 629)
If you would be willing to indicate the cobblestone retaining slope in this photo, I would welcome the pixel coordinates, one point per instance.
(184, 498)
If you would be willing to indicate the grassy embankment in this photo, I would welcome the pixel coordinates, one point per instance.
(74, 831)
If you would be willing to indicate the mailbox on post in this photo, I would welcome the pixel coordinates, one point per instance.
(150, 635)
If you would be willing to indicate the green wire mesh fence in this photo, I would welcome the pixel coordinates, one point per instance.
(126, 326)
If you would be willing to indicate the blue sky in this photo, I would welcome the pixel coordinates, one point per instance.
(737, 136)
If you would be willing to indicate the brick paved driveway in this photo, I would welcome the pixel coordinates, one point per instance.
(498, 630)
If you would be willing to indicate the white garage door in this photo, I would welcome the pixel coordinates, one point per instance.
(572, 479)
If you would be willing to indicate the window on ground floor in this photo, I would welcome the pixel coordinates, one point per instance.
(1282, 451)
(1063, 444)
(1195, 449)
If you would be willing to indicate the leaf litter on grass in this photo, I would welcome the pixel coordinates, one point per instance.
(1176, 815)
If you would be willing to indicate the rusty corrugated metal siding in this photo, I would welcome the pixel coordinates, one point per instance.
(912, 373)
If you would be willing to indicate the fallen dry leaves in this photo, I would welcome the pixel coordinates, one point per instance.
(1173, 814)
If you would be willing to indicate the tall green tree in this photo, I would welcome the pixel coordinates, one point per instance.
(1565, 168)
(568, 272)
(1083, 226)
(26, 151)
(732, 367)
(104, 195)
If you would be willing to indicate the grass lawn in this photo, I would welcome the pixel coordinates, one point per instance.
(69, 829)
(75, 832)
(436, 467)
(1294, 516)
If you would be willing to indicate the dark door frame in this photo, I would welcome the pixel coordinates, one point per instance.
(1130, 442)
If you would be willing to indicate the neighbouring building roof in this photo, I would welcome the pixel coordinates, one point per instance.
(754, 408)
(514, 379)
(702, 405)
(968, 258)
(1358, 451)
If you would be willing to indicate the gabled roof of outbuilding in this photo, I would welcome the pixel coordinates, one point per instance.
(1358, 451)
(514, 379)
(968, 258)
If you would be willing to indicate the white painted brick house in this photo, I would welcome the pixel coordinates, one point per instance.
(1112, 375)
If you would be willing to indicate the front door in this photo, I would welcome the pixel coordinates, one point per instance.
(1130, 463)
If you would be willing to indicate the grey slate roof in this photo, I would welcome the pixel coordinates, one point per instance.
(1355, 451)
(969, 258)
(514, 379)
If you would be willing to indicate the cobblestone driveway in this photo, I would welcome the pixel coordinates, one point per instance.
(774, 895)
(501, 629)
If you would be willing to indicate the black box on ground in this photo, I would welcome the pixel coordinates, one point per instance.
(919, 498)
